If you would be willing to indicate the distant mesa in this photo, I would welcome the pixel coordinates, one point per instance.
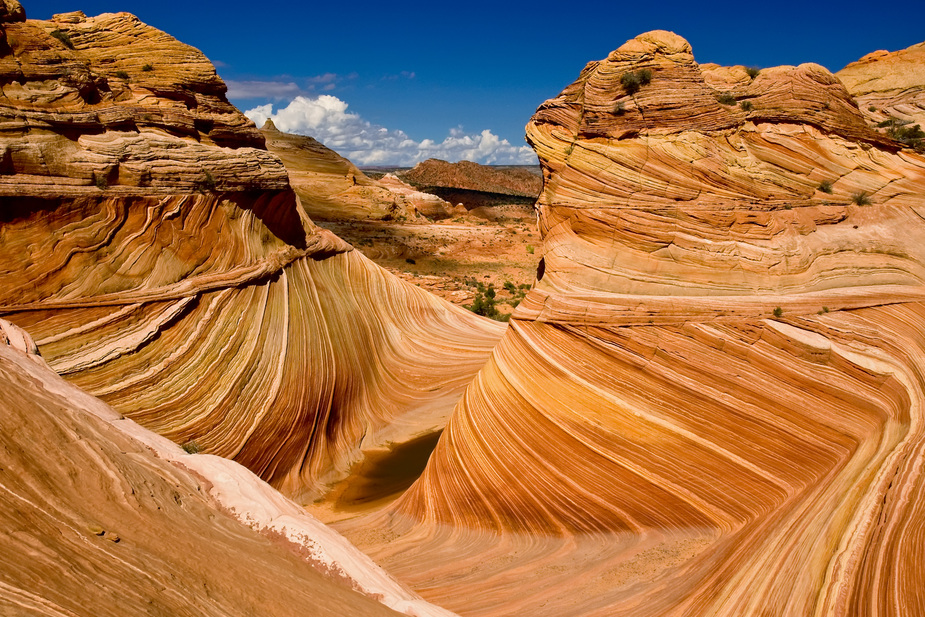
(503, 180)
(474, 185)
(332, 188)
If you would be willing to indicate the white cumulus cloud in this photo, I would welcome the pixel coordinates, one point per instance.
(255, 88)
(326, 119)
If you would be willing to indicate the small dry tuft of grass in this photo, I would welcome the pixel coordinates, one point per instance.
(861, 198)
(192, 447)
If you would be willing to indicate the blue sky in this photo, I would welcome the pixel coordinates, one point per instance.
(394, 82)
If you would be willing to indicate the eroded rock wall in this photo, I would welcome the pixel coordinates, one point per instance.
(155, 250)
(710, 403)
(889, 84)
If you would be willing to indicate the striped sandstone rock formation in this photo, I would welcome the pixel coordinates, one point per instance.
(890, 82)
(156, 252)
(712, 401)
(102, 517)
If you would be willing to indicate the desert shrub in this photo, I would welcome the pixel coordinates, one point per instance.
(206, 183)
(619, 109)
(746, 105)
(121, 74)
(861, 198)
(486, 300)
(871, 108)
(726, 99)
(826, 187)
(63, 36)
(632, 81)
(101, 182)
(484, 303)
(147, 68)
(912, 136)
(192, 447)
(752, 71)
(778, 311)
(530, 248)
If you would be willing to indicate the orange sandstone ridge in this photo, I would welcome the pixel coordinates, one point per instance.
(103, 517)
(889, 84)
(156, 252)
(711, 402)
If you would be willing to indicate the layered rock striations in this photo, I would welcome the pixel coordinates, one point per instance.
(157, 254)
(711, 401)
(102, 517)
(889, 84)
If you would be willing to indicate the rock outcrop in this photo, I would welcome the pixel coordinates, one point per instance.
(158, 255)
(332, 188)
(889, 84)
(95, 104)
(428, 204)
(102, 517)
(711, 401)
(471, 176)
(475, 185)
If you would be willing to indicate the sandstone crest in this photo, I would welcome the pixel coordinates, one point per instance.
(710, 403)
(889, 84)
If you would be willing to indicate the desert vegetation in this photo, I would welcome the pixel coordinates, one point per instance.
(905, 132)
(487, 298)
(860, 198)
(632, 81)
(64, 37)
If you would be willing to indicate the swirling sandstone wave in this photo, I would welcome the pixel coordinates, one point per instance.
(157, 254)
(711, 403)
(102, 517)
